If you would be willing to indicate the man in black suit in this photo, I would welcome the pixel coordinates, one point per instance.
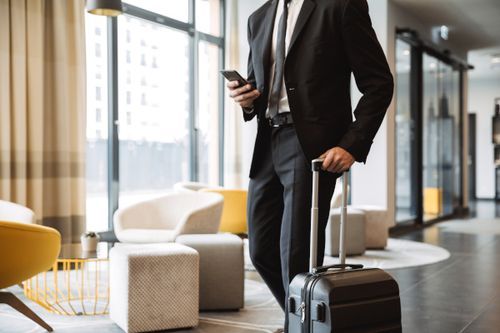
(302, 54)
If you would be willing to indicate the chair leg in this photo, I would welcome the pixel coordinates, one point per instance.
(10, 299)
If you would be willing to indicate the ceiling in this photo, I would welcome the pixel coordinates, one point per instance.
(473, 24)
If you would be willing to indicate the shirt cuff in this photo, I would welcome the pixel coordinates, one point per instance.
(249, 110)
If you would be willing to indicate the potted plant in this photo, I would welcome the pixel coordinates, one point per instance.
(89, 241)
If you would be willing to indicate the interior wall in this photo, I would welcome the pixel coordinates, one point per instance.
(240, 135)
(367, 189)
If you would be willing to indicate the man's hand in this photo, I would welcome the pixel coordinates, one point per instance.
(244, 95)
(337, 160)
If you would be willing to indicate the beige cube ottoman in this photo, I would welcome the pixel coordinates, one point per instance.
(355, 233)
(377, 229)
(154, 287)
(222, 275)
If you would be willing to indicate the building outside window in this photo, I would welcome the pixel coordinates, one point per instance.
(171, 133)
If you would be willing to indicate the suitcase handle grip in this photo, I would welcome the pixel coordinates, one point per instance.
(318, 163)
(325, 268)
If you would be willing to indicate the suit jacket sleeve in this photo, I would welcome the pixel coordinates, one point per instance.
(247, 116)
(372, 75)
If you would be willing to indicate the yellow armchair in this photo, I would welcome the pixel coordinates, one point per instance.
(234, 211)
(26, 250)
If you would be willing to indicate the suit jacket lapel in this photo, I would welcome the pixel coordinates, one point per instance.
(268, 37)
(305, 12)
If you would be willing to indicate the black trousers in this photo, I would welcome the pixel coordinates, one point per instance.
(279, 208)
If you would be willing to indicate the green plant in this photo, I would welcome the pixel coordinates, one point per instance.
(90, 234)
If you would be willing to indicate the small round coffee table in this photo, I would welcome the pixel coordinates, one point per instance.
(78, 283)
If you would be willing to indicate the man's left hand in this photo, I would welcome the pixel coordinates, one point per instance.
(337, 160)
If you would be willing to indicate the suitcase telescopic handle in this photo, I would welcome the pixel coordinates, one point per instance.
(313, 254)
(325, 268)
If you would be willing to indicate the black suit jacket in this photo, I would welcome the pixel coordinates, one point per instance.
(331, 40)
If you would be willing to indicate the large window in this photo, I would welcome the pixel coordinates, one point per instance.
(153, 107)
(154, 101)
(97, 122)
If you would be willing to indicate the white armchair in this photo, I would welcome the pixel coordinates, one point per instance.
(192, 186)
(162, 219)
(10, 211)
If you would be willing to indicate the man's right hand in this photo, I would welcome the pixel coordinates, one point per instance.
(244, 95)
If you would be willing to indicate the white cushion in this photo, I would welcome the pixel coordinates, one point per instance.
(173, 213)
(147, 236)
(12, 212)
(192, 186)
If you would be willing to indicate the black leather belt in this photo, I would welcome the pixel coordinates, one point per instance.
(281, 119)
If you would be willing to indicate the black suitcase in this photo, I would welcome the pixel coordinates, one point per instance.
(341, 298)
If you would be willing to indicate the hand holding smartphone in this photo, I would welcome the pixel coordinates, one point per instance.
(232, 75)
(244, 94)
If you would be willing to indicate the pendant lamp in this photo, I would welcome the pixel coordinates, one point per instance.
(104, 7)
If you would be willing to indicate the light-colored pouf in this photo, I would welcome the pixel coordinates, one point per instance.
(221, 270)
(154, 287)
(355, 233)
(377, 230)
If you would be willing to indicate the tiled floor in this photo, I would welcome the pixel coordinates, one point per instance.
(461, 294)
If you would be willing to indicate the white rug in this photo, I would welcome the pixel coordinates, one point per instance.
(261, 314)
(399, 253)
(472, 226)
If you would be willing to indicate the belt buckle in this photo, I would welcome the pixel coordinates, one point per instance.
(273, 122)
(278, 120)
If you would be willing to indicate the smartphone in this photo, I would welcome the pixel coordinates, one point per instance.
(232, 75)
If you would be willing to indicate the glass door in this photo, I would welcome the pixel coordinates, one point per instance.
(406, 164)
(442, 190)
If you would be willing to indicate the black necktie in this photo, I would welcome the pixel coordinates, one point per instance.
(279, 62)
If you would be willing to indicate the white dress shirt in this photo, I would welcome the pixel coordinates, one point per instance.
(293, 13)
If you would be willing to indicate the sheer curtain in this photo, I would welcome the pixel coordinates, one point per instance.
(233, 118)
(42, 110)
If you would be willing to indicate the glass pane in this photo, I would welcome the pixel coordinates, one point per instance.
(208, 112)
(405, 137)
(442, 132)
(97, 122)
(153, 108)
(457, 137)
(447, 132)
(208, 16)
(176, 9)
(432, 188)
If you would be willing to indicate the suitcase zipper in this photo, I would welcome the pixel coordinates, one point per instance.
(303, 305)
(306, 303)
(302, 312)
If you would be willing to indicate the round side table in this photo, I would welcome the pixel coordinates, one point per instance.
(78, 283)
